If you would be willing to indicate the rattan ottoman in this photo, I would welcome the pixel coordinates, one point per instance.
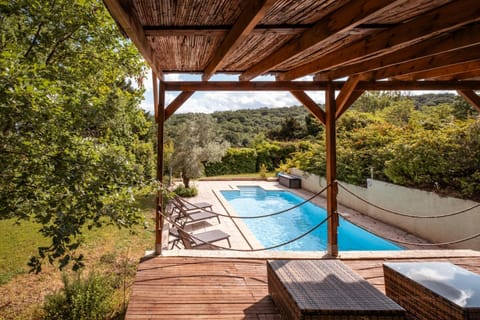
(434, 290)
(326, 289)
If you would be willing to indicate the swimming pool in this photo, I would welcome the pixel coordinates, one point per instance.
(270, 231)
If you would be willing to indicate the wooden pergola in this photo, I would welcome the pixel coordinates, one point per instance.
(347, 45)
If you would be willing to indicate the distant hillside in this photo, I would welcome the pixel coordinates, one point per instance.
(240, 127)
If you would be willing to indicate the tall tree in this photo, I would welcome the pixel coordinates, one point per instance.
(74, 143)
(195, 143)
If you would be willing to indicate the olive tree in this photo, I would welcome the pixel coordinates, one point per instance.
(196, 143)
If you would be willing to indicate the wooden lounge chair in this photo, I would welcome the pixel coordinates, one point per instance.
(202, 239)
(180, 213)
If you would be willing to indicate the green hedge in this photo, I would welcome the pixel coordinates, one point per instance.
(236, 160)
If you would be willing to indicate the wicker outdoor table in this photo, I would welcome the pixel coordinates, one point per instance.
(326, 289)
(434, 290)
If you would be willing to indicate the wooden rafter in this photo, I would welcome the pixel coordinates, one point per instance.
(471, 75)
(456, 40)
(161, 31)
(132, 27)
(311, 105)
(345, 95)
(341, 20)
(429, 63)
(317, 85)
(177, 103)
(353, 97)
(251, 15)
(442, 71)
(443, 19)
(471, 97)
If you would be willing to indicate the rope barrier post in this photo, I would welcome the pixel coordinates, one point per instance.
(330, 109)
(159, 221)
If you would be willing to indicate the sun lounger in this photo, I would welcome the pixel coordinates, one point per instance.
(202, 239)
(192, 206)
(180, 213)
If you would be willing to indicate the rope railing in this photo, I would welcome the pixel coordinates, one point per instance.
(406, 214)
(434, 244)
(246, 250)
(260, 216)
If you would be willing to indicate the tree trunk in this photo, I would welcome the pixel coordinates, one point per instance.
(186, 181)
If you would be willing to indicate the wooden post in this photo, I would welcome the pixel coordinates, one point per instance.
(159, 220)
(330, 110)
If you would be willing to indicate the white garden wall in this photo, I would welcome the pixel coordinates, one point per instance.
(409, 201)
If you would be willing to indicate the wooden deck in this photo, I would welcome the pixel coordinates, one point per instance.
(230, 288)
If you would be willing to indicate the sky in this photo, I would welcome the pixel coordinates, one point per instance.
(208, 101)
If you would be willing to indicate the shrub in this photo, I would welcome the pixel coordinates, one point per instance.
(236, 160)
(186, 192)
(81, 298)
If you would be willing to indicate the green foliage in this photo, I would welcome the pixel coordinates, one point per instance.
(427, 148)
(289, 130)
(272, 153)
(239, 127)
(376, 100)
(263, 171)
(75, 144)
(81, 299)
(187, 192)
(236, 160)
(195, 144)
(443, 159)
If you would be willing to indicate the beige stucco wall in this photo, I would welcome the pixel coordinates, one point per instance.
(409, 201)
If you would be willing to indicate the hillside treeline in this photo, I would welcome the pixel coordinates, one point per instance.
(430, 142)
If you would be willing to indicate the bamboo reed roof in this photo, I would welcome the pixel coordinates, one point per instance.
(331, 39)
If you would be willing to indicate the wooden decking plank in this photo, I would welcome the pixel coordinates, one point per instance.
(208, 288)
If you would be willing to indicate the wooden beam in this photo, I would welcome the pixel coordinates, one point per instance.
(317, 85)
(254, 11)
(133, 29)
(217, 31)
(159, 220)
(346, 18)
(331, 176)
(444, 19)
(429, 63)
(353, 97)
(442, 71)
(177, 103)
(471, 75)
(465, 37)
(345, 95)
(311, 105)
(471, 97)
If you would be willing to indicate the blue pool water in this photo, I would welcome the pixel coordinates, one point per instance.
(270, 231)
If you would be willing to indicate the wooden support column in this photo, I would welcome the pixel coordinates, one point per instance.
(159, 220)
(330, 125)
(155, 95)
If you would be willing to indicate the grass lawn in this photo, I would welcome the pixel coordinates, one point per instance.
(104, 249)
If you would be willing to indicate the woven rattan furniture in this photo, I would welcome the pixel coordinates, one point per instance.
(434, 290)
(326, 289)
